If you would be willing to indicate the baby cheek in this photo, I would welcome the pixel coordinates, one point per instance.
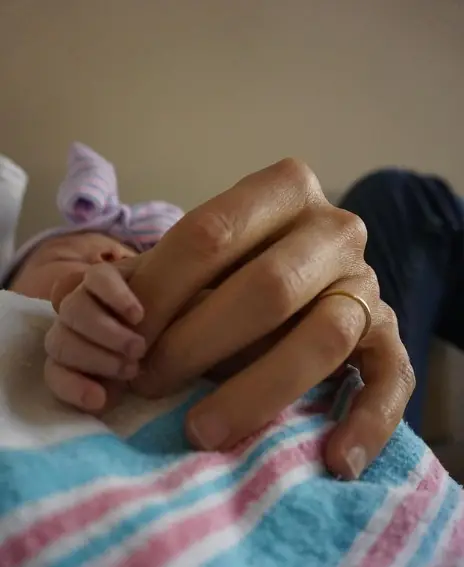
(40, 282)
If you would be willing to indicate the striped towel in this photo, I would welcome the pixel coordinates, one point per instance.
(129, 491)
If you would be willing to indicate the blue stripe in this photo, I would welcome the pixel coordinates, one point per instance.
(76, 462)
(188, 498)
(317, 522)
(313, 524)
(429, 543)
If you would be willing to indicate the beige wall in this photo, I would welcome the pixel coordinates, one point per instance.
(185, 96)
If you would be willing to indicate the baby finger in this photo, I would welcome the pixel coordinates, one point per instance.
(73, 387)
(69, 349)
(106, 283)
(87, 317)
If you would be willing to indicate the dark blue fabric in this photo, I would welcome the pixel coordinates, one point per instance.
(416, 246)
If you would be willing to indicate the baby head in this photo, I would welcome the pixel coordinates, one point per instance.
(98, 228)
(60, 257)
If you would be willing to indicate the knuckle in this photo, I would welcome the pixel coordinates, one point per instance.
(371, 278)
(351, 226)
(389, 336)
(302, 177)
(342, 334)
(407, 377)
(279, 286)
(388, 319)
(210, 233)
(370, 283)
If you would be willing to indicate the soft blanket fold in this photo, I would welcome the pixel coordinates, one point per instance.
(129, 491)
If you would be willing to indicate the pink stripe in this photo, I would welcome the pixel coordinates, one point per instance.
(406, 517)
(144, 212)
(46, 530)
(178, 537)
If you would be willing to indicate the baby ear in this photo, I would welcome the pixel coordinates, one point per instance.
(63, 287)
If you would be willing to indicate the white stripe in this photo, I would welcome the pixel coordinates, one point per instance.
(118, 513)
(22, 517)
(220, 541)
(444, 542)
(415, 539)
(384, 513)
(133, 543)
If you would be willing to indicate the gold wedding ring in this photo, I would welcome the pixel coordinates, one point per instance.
(359, 300)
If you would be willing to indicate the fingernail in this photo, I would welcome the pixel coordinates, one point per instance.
(134, 314)
(357, 461)
(135, 348)
(92, 401)
(129, 370)
(209, 430)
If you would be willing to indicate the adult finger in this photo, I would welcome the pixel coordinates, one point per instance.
(214, 236)
(307, 355)
(254, 301)
(83, 314)
(73, 387)
(69, 349)
(379, 407)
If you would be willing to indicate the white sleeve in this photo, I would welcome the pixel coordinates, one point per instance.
(13, 183)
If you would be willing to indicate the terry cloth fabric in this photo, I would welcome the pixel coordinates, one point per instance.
(13, 183)
(129, 492)
(88, 201)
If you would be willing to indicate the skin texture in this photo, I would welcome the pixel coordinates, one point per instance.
(237, 281)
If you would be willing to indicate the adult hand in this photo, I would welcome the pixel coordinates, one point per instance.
(268, 248)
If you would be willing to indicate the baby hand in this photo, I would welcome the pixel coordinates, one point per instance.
(92, 348)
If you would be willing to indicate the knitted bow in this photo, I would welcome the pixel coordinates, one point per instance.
(88, 198)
